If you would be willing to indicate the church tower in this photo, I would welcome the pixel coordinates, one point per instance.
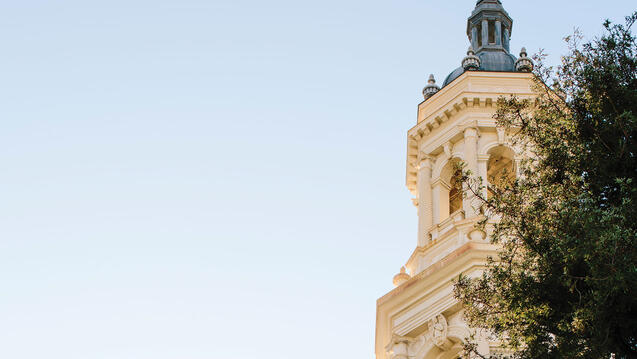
(420, 318)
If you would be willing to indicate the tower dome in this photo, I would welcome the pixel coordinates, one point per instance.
(489, 31)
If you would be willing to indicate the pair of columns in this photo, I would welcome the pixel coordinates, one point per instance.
(433, 204)
(484, 35)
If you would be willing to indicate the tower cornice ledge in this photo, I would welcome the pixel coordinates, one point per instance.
(475, 92)
(472, 84)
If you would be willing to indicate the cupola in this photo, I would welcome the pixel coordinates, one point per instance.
(489, 27)
(489, 32)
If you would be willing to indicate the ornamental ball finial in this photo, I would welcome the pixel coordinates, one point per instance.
(431, 88)
(524, 63)
(401, 277)
(471, 62)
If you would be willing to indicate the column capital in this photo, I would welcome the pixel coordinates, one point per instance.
(470, 132)
(398, 347)
(424, 161)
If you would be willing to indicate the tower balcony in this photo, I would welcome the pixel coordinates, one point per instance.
(445, 238)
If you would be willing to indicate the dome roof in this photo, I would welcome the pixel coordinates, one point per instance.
(489, 61)
(489, 31)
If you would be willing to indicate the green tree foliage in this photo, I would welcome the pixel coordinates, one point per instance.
(564, 285)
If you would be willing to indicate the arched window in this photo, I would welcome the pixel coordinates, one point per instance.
(448, 191)
(500, 169)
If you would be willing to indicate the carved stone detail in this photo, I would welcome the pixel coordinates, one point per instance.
(438, 332)
(398, 347)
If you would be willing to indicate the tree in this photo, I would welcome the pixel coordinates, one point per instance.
(564, 284)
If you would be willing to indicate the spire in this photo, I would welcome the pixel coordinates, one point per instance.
(489, 31)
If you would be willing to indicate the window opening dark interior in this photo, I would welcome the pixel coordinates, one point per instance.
(492, 32)
(479, 32)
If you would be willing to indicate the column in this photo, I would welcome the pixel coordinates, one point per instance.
(507, 36)
(440, 201)
(471, 159)
(518, 167)
(485, 33)
(474, 38)
(425, 211)
(498, 32)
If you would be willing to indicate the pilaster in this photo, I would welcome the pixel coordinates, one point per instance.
(471, 159)
(425, 203)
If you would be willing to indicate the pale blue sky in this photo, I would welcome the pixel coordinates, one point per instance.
(218, 179)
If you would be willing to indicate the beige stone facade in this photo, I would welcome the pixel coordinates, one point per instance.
(420, 318)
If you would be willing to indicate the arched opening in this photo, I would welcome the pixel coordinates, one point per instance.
(448, 191)
(500, 170)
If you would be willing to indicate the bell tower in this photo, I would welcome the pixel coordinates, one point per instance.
(420, 318)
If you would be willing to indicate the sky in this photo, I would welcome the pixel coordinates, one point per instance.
(205, 179)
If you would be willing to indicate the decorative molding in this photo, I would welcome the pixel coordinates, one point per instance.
(484, 150)
(483, 158)
(425, 312)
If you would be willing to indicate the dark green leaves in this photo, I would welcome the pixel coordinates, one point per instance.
(564, 285)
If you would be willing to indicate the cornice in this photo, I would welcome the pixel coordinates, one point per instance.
(470, 248)
(473, 90)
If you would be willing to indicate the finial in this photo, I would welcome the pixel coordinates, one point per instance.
(471, 62)
(431, 88)
(401, 277)
(524, 63)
